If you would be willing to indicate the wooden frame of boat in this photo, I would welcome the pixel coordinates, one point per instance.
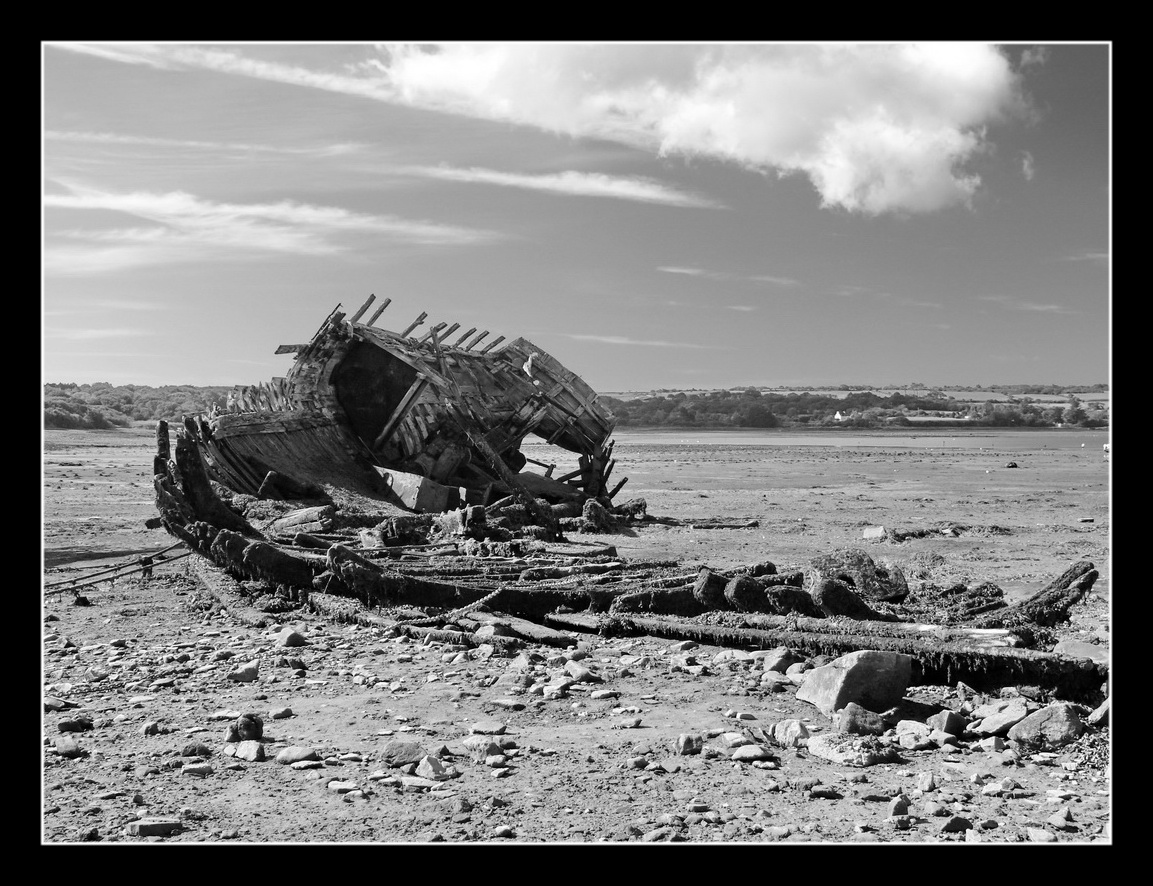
(362, 404)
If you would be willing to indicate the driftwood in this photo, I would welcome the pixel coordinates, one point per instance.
(939, 662)
(1050, 605)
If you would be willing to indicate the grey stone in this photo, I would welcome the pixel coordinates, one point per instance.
(854, 719)
(487, 727)
(69, 748)
(290, 637)
(1100, 716)
(750, 753)
(871, 580)
(249, 727)
(296, 754)
(790, 733)
(1052, 727)
(836, 598)
(997, 718)
(250, 750)
(947, 721)
(848, 750)
(875, 680)
(245, 673)
(780, 659)
(153, 827)
(688, 744)
(401, 752)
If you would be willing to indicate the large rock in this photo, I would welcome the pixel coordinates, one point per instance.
(875, 680)
(854, 719)
(849, 750)
(873, 581)
(1051, 727)
(401, 752)
(836, 598)
(998, 717)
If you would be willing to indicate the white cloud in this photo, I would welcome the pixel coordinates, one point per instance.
(741, 308)
(726, 275)
(185, 227)
(623, 340)
(579, 184)
(106, 138)
(1100, 257)
(1027, 166)
(92, 334)
(875, 127)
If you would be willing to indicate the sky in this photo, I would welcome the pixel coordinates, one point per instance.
(658, 215)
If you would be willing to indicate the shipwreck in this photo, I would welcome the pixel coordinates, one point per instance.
(382, 480)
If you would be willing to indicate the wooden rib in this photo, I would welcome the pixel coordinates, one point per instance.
(290, 349)
(363, 308)
(463, 337)
(435, 330)
(415, 323)
(492, 344)
(401, 410)
(384, 304)
(472, 344)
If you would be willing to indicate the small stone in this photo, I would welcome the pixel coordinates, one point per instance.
(200, 770)
(153, 827)
(69, 748)
(296, 754)
(487, 727)
(250, 750)
(289, 637)
(246, 673)
(687, 744)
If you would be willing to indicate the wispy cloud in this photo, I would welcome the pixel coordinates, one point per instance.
(92, 334)
(875, 127)
(106, 138)
(571, 183)
(1027, 166)
(623, 340)
(741, 307)
(1100, 257)
(1013, 304)
(728, 276)
(186, 227)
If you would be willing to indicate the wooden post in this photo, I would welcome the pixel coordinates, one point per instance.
(363, 308)
(384, 304)
(163, 453)
(434, 331)
(617, 488)
(463, 337)
(476, 341)
(492, 344)
(415, 323)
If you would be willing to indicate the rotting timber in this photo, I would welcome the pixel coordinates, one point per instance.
(382, 480)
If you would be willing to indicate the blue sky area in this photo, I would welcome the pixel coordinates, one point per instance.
(653, 215)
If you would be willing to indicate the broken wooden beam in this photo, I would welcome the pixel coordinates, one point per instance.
(363, 308)
(415, 323)
(939, 663)
(492, 344)
(384, 304)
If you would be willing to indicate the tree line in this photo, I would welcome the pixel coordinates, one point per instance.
(753, 408)
(102, 405)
